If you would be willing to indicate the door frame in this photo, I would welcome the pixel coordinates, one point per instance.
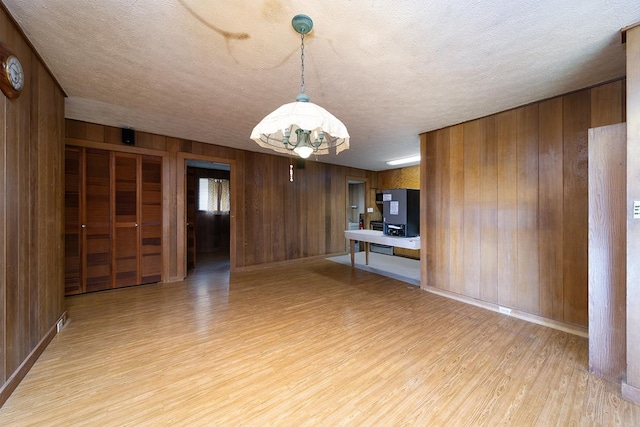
(367, 201)
(181, 208)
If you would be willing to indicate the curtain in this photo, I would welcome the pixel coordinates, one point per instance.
(214, 195)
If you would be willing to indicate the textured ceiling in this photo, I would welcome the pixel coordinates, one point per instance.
(390, 70)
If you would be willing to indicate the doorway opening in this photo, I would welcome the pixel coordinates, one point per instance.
(356, 216)
(208, 217)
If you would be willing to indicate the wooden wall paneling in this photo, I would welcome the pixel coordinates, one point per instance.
(3, 226)
(303, 217)
(277, 177)
(113, 135)
(74, 280)
(173, 208)
(474, 134)
(26, 225)
(37, 203)
(426, 207)
(489, 211)
(31, 226)
(307, 212)
(314, 210)
(607, 104)
(97, 220)
(550, 209)
(50, 131)
(631, 387)
(126, 262)
(335, 221)
(456, 209)
(254, 212)
(191, 195)
(76, 129)
(292, 208)
(528, 266)
(576, 120)
(507, 208)
(607, 251)
(624, 100)
(94, 132)
(323, 231)
(14, 320)
(236, 201)
(150, 243)
(46, 183)
(442, 264)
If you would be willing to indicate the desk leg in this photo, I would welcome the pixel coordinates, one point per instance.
(366, 252)
(352, 246)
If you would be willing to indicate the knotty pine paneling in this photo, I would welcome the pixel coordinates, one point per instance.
(31, 214)
(506, 209)
(272, 220)
(399, 178)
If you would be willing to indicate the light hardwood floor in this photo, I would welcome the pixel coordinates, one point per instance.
(308, 344)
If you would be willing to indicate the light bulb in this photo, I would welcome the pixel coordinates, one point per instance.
(304, 151)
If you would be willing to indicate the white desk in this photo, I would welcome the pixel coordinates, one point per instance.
(373, 236)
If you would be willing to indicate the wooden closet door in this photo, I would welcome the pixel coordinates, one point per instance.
(126, 238)
(73, 278)
(151, 219)
(97, 220)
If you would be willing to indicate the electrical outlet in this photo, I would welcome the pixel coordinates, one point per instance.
(504, 310)
(59, 325)
(369, 210)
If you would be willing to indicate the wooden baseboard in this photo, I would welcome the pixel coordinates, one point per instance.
(565, 327)
(12, 383)
(630, 393)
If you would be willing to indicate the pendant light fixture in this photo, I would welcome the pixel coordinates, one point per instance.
(302, 126)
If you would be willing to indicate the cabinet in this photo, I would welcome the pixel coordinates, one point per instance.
(113, 221)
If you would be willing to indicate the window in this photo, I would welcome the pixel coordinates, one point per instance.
(213, 195)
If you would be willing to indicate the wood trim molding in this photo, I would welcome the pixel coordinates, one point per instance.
(623, 31)
(561, 326)
(630, 393)
(12, 382)
(181, 219)
(114, 147)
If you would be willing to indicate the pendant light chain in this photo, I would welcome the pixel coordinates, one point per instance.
(302, 62)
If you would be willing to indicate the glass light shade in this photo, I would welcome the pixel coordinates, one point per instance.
(269, 133)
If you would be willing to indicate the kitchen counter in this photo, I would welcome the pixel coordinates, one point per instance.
(374, 236)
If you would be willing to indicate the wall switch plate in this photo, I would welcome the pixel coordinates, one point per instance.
(369, 210)
(636, 209)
